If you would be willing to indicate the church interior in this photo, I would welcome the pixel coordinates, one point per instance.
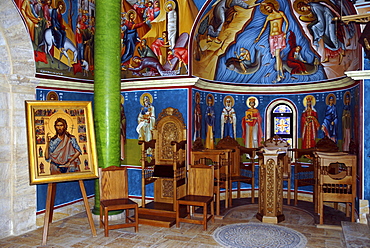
(258, 106)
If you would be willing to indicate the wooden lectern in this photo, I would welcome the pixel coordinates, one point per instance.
(272, 159)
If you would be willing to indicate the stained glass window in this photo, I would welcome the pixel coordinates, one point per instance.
(282, 125)
(282, 109)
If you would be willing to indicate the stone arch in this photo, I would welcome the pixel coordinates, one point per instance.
(17, 84)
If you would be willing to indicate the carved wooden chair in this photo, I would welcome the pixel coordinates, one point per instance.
(220, 159)
(200, 192)
(239, 171)
(303, 170)
(113, 186)
(163, 159)
(305, 173)
(336, 181)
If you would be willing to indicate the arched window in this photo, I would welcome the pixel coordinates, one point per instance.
(282, 121)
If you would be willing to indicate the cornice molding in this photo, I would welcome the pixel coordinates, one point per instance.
(358, 75)
(65, 85)
(301, 88)
(340, 83)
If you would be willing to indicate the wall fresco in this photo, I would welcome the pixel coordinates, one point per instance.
(154, 37)
(333, 114)
(275, 41)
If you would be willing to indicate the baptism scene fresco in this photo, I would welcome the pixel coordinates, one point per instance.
(255, 42)
(275, 41)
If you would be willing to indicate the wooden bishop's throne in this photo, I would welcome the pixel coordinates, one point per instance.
(163, 162)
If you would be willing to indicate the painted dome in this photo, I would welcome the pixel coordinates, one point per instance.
(275, 42)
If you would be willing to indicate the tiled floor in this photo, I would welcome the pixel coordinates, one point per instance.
(75, 231)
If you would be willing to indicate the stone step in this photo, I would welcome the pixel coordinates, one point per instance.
(356, 234)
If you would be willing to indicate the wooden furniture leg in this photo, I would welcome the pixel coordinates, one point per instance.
(48, 218)
(87, 207)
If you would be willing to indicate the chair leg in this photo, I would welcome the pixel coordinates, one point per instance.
(177, 214)
(205, 217)
(321, 212)
(295, 192)
(101, 217)
(106, 230)
(289, 191)
(136, 218)
(347, 209)
(252, 189)
(213, 211)
(353, 211)
(238, 194)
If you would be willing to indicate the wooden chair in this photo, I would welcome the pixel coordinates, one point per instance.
(113, 186)
(305, 173)
(239, 171)
(220, 159)
(336, 181)
(163, 163)
(200, 190)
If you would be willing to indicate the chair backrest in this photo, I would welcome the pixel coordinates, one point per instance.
(326, 145)
(230, 143)
(113, 183)
(169, 127)
(337, 172)
(201, 180)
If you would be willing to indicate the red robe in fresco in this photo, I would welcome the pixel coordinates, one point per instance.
(309, 126)
(252, 128)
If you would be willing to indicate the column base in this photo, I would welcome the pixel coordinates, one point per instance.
(270, 219)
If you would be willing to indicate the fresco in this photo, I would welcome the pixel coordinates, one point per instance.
(275, 41)
(334, 115)
(154, 37)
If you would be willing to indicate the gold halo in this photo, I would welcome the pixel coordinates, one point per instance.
(142, 98)
(169, 2)
(213, 99)
(327, 99)
(262, 7)
(64, 6)
(52, 96)
(122, 100)
(256, 101)
(231, 98)
(345, 95)
(55, 116)
(131, 11)
(313, 101)
(197, 97)
(295, 7)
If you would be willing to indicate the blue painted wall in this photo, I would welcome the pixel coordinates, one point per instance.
(178, 98)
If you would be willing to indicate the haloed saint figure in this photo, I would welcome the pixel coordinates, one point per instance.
(228, 118)
(62, 150)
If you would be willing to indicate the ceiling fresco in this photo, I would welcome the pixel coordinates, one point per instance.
(275, 42)
(231, 41)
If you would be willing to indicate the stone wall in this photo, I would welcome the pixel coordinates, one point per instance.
(17, 84)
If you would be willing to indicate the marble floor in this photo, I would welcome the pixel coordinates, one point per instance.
(75, 231)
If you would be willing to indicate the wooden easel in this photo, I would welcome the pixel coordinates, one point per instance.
(50, 208)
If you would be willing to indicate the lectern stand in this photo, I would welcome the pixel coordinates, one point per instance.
(270, 192)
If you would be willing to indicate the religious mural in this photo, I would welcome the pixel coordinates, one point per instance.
(275, 41)
(154, 37)
(246, 118)
(253, 41)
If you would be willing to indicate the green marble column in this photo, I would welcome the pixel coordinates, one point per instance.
(107, 85)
